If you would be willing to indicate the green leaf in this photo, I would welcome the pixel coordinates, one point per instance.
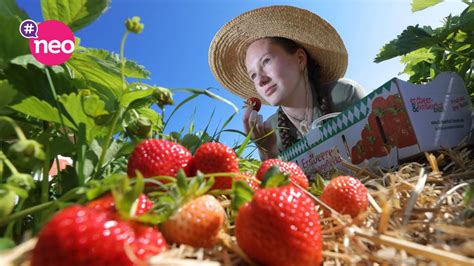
(411, 39)
(244, 143)
(417, 5)
(75, 13)
(191, 142)
(39, 109)
(210, 94)
(417, 56)
(99, 75)
(467, 19)
(132, 96)
(181, 182)
(9, 8)
(112, 151)
(99, 187)
(241, 194)
(7, 92)
(13, 44)
(23, 71)
(274, 178)
(131, 68)
(84, 109)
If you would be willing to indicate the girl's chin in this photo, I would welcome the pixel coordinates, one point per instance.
(273, 101)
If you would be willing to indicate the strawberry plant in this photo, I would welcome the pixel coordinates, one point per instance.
(94, 109)
(426, 51)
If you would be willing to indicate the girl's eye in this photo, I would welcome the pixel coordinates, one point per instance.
(266, 61)
(252, 76)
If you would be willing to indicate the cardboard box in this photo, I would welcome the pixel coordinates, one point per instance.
(396, 121)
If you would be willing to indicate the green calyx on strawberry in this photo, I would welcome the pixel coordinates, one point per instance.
(296, 174)
(346, 195)
(188, 216)
(278, 224)
(125, 201)
(156, 157)
(215, 157)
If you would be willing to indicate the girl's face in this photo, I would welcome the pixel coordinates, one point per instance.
(275, 73)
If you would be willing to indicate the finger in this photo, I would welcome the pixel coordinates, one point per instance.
(253, 119)
(267, 126)
(260, 126)
(245, 120)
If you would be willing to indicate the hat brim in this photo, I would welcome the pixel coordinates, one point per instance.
(228, 48)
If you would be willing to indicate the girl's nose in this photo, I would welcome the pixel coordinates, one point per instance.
(263, 79)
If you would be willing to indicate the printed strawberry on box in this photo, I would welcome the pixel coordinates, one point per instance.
(394, 122)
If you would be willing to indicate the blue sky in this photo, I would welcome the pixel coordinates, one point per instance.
(177, 34)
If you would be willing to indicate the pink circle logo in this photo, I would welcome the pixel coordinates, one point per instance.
(53, 42)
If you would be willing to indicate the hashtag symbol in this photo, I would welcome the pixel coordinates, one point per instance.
(28, 28)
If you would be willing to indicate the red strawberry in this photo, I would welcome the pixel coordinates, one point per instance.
(84, 236)
(296, 174)
(156, 157)
(197, 223)
(250, 179)
(280, 226)
(215, 157)
(253, 103)
(107, 204)
(346, 195)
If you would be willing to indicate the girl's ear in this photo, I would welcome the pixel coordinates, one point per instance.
(302, 58)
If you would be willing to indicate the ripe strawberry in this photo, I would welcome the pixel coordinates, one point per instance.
(250, 179)
(346, 195)
(197, 223)
(280, 226)
(215, 157)
(296, 174)
(253, 103)
(84, 236)
(156, 157)
(107, 204)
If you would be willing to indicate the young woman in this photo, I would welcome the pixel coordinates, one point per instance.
(287, 57)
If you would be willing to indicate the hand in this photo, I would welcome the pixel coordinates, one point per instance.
(267, 143)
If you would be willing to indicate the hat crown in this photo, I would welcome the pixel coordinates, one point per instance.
(229, 46)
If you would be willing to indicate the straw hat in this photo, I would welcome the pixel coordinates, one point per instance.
(229, 46)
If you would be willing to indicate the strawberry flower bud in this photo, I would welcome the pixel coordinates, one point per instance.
(163, 96)
(26, 153)
(134, 25)
(140, 128)
(7, 202)
(23, 181)
(137, 125)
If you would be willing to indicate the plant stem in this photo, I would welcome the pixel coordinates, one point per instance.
(108, 139)
(9, 164)
(25, 212)
(17, 129)
(69, 195)
(118, 113)
(56, 101)
(122, 60)
(45, 177)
